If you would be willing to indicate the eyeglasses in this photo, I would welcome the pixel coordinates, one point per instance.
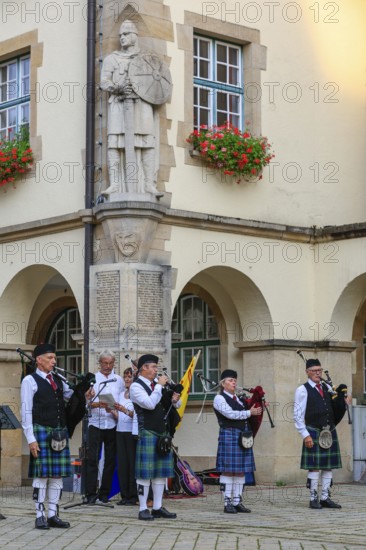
(317, 371)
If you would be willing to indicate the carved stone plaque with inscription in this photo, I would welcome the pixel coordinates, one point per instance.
(108, 303)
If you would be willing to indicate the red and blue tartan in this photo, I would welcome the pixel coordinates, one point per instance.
(231, 457)
(317, 458)
(49, 463)
(149, 464)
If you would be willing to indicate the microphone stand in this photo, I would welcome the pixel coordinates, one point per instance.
(206, 391)
(83, 455)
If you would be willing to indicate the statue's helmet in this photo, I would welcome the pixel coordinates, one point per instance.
(128, 26)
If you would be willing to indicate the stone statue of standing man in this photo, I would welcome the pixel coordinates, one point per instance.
(136, 83)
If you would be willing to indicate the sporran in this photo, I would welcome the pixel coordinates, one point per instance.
(325, 438)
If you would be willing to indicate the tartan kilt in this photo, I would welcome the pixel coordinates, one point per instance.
(149, 464)
(231, 457)
(317, 458)
(49, 463)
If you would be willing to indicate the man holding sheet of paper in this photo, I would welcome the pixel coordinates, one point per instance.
(102, 429)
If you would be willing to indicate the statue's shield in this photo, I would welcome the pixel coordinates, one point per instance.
(150, 78)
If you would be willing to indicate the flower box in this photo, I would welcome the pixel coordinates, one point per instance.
(16, 156)
(232, 152)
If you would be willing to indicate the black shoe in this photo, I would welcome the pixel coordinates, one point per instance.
(329, 504)
(240, 508)
(41, 523)
(163, 513)
(55, 521)
(145, 515)
(230, 508)
(122, 502)
(132, 501)
(90, 499)
(102, 499)
(314, 504)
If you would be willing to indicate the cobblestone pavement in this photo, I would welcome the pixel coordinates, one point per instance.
(280, 519)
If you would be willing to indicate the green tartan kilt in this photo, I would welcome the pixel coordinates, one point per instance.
(49, 463)
(149, 464)
(317, 458)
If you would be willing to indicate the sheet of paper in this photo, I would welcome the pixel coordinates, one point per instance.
(107, 398)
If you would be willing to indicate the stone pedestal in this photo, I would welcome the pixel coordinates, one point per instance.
(130, 311)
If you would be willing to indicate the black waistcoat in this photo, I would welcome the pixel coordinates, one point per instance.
(225, 422)
(319, 411)
(48, 404)
(150, 419)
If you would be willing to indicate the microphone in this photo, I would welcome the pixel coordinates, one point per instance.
(206, 379)
(108, 381)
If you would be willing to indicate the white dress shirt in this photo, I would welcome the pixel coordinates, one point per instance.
(139, 395)
(27, 390)
(100, 418)
(224, 408)
(300, 402)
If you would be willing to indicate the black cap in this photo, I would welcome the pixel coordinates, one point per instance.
(312, 363)
(228, 373)
(147, 359)
(42, 349)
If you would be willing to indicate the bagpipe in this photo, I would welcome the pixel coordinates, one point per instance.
(171, 417)
(257, 399)
(338, 395)
(75, 408)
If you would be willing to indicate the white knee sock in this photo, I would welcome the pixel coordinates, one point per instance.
(39, 494)
(143, 486)
(227, 483)
(158, 485)
(239, 483)
(313, 477)
(54, 494)
(326, 483)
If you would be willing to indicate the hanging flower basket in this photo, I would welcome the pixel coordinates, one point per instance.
(16, 156)
(232, 152)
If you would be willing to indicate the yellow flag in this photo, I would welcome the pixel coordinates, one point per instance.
(186, 382)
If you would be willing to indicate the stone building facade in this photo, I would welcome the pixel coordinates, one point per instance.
(248, 272)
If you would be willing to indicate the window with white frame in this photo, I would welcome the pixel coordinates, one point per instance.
(14, 95)
(218, 83)
(194, 327)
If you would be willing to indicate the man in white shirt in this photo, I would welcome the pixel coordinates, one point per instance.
(146, 394)
(44, 420)
(102, 429)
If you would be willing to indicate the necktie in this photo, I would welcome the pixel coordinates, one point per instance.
(235, 398)
(152, 385)
(320, 389)
(52, 382)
